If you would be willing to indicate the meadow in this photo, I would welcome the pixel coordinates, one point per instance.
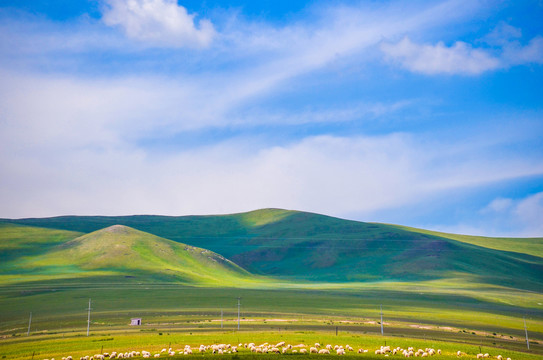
(192, 315)
(184, 294)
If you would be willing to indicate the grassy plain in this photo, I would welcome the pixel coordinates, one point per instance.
(477, 303)
(191, 315)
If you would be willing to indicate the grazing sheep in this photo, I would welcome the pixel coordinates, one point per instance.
(480, 356)
(459, 353)
(486, 355)
(329, 347)
(439, 351)
(294, 351)
(282, 343)
(340, 351)
(313, 350)
(324, 351)
(317, 345)
(303, 351)
(157, 355)
(378, 352)
(499, 357)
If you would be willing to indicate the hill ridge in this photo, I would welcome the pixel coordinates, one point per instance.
(304, 246)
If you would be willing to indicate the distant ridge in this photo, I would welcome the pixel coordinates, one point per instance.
(298, 245)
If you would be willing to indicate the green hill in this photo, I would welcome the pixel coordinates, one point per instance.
(115, 253)
(305, 246)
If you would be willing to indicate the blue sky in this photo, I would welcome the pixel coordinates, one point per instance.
(422, 113)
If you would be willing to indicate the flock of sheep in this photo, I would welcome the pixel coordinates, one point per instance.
(279, 348)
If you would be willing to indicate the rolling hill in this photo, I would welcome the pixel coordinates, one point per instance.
(115, 253)
(302, 246)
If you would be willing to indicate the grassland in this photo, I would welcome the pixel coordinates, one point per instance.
(59, 314)
(436, 290)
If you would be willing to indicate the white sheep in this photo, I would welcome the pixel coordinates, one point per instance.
(324, 351)
(313, 350)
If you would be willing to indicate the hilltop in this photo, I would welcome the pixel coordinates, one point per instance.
(114, 253)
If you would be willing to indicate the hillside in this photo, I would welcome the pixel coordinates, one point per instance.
(305, 246)
(115, 253)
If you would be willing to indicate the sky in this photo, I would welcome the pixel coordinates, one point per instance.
(421, 113)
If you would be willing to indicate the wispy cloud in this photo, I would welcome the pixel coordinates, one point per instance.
(463, 58)
(158, 22)
(460, 58)
(78, 100)
(521, 217)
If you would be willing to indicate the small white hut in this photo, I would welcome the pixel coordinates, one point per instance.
(135, 321)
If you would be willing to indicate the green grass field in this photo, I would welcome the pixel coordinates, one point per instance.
(449, 291)
(59, 316)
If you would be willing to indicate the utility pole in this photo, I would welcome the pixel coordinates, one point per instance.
(221, 318)
(239, 307)
(29, 322)
(88, 319)
(381, 307)
(526, 331)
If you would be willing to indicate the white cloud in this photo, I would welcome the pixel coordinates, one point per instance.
(513, 217)
(529, 211)
(463, 58)
(460, 58)
(498, 205)
(158, 22)
(516, 54)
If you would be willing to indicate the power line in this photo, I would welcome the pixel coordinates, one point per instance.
(381, 307)
(526, 331)
(88, 319)
(239, 307)
(29, 322)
